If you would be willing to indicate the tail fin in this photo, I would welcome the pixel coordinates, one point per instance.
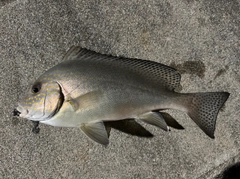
(203, 109)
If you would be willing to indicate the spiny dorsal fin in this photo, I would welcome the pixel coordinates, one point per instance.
(155, 72)
(72, 53)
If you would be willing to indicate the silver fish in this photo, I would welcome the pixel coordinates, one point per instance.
(89, 88)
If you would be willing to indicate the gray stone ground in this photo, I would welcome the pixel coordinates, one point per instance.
(199, 38)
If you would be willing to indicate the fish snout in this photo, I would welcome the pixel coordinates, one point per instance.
(16, 112)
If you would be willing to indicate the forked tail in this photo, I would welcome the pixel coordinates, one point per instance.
(203, 109)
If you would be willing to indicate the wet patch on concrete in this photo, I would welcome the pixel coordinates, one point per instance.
(15, 121)
(190, 67)
(221, 72)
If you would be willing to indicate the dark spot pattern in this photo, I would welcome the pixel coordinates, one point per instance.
(204, 110)
(166, 76)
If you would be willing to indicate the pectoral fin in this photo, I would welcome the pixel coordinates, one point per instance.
(154, 118)
(96, 131)
(86, 101)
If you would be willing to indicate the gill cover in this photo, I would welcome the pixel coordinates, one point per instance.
(53, 101)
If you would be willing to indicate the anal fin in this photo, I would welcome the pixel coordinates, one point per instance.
(171, 121)
(96, 131)
(154, 118)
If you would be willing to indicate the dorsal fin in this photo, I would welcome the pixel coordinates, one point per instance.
(72, 53)
(163, 75)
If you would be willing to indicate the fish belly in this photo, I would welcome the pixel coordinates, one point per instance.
(113, 105)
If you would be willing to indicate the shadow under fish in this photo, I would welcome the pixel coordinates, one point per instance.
(128, 126)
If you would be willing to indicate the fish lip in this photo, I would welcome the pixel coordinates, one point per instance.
(23, 112)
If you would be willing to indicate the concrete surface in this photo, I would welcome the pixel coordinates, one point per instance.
(5, 2)
(201, 38)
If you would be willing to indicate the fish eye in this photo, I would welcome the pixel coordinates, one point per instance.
(36, 88)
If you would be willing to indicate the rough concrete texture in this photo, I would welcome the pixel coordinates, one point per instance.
(4, 2)
(200, 38)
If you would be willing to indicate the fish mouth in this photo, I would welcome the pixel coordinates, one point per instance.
(23, 112)
(20, 111)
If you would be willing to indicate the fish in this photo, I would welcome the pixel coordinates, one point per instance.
(88, 88)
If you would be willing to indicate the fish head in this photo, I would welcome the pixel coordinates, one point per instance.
(41, 102)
